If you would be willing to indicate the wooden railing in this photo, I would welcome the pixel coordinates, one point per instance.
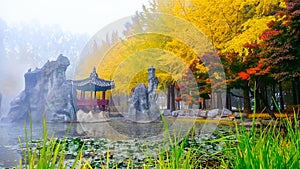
(87, 102)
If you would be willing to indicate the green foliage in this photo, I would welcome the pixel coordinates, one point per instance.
(275, 146)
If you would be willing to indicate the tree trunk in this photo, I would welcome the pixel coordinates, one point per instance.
(264, 93)
(247, 105)
(268, 110)
(257, 98)
(219, 101)
(228, 100)
(294, 84)
(168, 96)
(274, 97)
(212, 101)
(172, 99)
(177, 91)
(298, 90)
(281, 97)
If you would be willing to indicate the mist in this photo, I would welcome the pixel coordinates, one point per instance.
(29, 45)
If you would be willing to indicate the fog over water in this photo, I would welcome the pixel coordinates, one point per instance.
(29, 46)
(34, 31)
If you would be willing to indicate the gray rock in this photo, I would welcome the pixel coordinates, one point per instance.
(142, 102)
(47, 94)
(19, 108)
(167, 112)
(239, 115)
(225, 118)
(194, 113)
(175, 113)
(91, 117)
(226, 112)
(191, 113)
(203, 114)
(213, 113)
(243, 120)
(249, 124)
(182, 112)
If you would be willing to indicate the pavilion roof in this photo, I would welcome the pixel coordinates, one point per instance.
(93, 83)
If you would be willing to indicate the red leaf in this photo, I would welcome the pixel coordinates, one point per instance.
(244, 75)
(268, 34)
(208, 81)
(201, 100)
(251, 71)
(177, 99)
(258, 66)
(251, 45)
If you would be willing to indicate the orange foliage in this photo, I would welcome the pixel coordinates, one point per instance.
(244, 75)
(251, 71)
(201, 100)
(177, 99)
(267, 34)
(188, 100)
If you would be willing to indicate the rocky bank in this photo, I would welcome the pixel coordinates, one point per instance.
(47, 94)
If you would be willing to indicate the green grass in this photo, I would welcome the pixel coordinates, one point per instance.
(276, 145)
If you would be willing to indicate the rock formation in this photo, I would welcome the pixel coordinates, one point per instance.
(47, 94)
(142, 102)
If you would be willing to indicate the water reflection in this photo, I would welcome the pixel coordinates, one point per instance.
(115, 129)
(9, 155)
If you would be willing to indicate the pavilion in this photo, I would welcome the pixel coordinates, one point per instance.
(92, 85)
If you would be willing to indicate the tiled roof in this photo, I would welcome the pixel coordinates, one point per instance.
(93, 83)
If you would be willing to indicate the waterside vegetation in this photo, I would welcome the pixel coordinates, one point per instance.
(275, 145)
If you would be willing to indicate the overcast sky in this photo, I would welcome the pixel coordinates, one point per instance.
(81, 16)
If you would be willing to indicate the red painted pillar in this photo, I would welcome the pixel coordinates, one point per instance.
(91, 101)
(95, 101)
(81, 97)
(103, 101)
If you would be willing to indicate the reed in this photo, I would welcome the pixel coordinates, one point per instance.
(49, 153)
(276, 145)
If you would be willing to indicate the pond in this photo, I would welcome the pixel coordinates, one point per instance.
(114, 130)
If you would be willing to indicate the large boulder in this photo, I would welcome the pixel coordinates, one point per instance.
(167, 112)
(47, 94)
(217, 113)
(213, 113)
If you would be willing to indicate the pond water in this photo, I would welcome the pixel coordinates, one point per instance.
(115, 129)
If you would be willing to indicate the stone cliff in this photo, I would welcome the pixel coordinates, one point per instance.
(47, 94)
